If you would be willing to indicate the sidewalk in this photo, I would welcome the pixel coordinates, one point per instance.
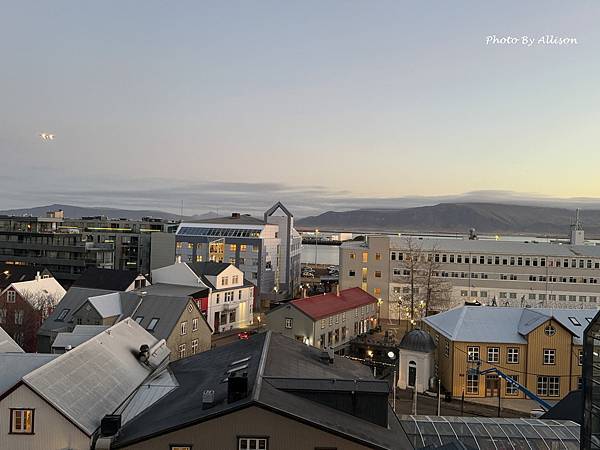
(522, 405)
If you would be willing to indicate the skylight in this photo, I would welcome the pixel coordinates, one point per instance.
(574, 321)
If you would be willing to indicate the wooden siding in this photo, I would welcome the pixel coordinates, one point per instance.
(203, 333)
(52, 430)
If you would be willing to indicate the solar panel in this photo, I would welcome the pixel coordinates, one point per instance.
(222, 232)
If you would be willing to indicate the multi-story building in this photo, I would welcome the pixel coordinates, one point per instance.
(590, 429)
(492, 272)
(227, 300)
(42, 242)
(331, 320)
(537, 347)
(67, 247)
(267, 250)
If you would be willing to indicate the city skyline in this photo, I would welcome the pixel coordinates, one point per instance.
(321, 102)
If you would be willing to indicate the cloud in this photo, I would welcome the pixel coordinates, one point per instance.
(225, 197)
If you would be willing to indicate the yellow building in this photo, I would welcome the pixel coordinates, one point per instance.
(539, 348)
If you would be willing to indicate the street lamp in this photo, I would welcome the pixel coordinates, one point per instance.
(258, 318)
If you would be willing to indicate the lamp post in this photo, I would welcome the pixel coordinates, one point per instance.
(258, 327)
(392, 356)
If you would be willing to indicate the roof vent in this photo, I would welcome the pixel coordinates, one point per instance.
(235, 215)
(208, 399)
(327, 355)
(237, 387)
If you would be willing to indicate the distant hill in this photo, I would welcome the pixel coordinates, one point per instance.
(459, 218)
(112, 213)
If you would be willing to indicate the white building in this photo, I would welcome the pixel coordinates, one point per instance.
(493, 272)
(266, 250)
(416, 363)
(229, 299)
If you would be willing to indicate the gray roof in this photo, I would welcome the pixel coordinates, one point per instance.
(113, 279)
(172, 290)
(93, 379)
(108, 305)
(418, 341)
(208, 268)
(78, 336)
(268, 358)
(14, 366)
(72, 301)
(499, 247)
(504, 324)
(7, 344)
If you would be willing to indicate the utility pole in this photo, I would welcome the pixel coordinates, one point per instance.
(394, 392)
(415, 399)
(439, 405)
(316, 244)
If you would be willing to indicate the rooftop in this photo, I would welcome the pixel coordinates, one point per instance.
(14, 366)
(505, 324)
(320, 306)
(10, 273)
(7, 344)
(238, 219)
(110, 279)
(39, 288)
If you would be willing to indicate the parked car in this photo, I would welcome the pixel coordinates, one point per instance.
(245, 335)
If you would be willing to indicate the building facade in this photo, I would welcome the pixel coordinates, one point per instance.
(487, 271)
(538, 348)
(228, 301)
(266, 250)
(590, 429)
(326, 321)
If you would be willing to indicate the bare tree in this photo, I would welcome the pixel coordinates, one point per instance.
(435, 291)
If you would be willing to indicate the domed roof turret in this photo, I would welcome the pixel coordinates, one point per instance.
(417, 341)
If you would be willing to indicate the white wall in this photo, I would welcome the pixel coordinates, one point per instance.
(178, 273)
(424, 369)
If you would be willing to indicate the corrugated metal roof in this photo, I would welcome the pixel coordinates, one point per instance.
(93, 379)
(506, 325)
(78, 336)
(7, 344)
(13, 366)
(319, 306)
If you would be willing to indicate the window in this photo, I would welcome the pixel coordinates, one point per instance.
(181, 447)
(63, 314)
(182, 350)
(472, 354)
(344, 316)
(351, 273)
(580, 358)
(232, 247)
(376, 291)
(248, 443)
(224, 281)
(550, 330)
(365, 257)
(548, 386)
(512, 355)
(19, 314)
(511, 389)
(352, 255)
(493, 354)
(289, 322)
(183, 328)
(243, 247)
(330, 320)
(574, 321)
(322, 323)
(21, 421)
(464, 293)
(194, 346)
(195, 324)
(472, 384)
(549, 356)
(152, 324)
(139, 319)
(377, 256)
(378, 274)
(2, 315)
(11, 296)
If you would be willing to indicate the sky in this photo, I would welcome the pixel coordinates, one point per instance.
(323, 104)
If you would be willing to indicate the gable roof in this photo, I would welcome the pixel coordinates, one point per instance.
(11, 273)
(71, 302)
(110, 279)
(93, 379)
(268, 359)
(7, 344)
(35, 289)
(14, 366)
(208, 268)
(505, 324)
(320, 306)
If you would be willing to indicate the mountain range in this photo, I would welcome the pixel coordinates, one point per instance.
(113, 213)
(490, 218)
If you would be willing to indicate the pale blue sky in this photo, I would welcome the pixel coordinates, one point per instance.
(329, 98)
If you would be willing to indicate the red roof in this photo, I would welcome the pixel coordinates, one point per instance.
(319, 306)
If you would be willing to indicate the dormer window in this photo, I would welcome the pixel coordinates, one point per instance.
(63, 314)
(550, 330)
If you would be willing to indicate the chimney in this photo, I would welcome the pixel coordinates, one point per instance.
(110, 424)
(237, 387)
(235, 215)
(37, 276)
(208, 399)
(178, 259)
(144, 353)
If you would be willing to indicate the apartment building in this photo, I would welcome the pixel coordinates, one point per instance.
(539, 348)
(266, 250)
(492, 272)
(227, 299)
(331, 320)
(66, 247)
